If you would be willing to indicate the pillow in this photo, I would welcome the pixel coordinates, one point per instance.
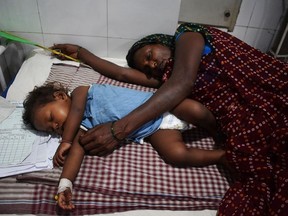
(33, 72)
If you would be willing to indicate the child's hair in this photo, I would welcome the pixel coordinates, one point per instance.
(40, 96)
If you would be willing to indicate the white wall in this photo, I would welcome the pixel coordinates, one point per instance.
(258, 21)
(110, 27)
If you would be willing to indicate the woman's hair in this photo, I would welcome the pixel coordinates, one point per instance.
(40, 96)
(163, 39)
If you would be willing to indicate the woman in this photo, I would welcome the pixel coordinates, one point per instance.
(245, 89)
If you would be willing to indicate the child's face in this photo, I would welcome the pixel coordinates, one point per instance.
(151, 59)
(52, 116)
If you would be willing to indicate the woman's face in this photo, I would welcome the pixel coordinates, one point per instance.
(52, 116)
(151, 59)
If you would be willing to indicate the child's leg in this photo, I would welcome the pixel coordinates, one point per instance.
(196, 113)
(171, 147)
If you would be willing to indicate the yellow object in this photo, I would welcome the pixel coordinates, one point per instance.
(56, 197)
(58, 53)
(12, 37)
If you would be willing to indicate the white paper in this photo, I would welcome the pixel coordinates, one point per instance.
(23, 149)
(16, 140)
(6, 108)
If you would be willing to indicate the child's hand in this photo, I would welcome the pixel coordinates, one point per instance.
(64, 200)
(60, 154)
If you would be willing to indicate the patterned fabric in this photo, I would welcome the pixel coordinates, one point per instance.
(133, 177)
(191, 27)
(167, 70)
(248, 93)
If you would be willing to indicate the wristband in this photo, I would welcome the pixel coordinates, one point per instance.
(113, 132)
(64, 184)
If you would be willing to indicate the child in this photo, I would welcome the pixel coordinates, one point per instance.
(50, 108)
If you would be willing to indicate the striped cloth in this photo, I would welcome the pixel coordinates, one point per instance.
(133, 177)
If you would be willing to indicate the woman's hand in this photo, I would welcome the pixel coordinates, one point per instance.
(67, 49)
(60, 154)
(99, 140)
(64, 200)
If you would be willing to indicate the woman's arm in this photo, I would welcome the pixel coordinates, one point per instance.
(114, 71)
(106, 68)
(189, 47)
(188, 53)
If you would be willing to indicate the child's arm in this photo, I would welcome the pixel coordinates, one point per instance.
(69, 173)
(60, 154)
(78, 102)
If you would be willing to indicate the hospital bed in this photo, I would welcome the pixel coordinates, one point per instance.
(133, 180)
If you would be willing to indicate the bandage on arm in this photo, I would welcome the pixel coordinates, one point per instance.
(64, 183)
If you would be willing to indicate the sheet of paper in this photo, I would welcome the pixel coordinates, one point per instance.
(16, 140)
(6, 108)
(48, 148)
(21, 148)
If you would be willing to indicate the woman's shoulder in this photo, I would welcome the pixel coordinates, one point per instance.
(192, 27)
